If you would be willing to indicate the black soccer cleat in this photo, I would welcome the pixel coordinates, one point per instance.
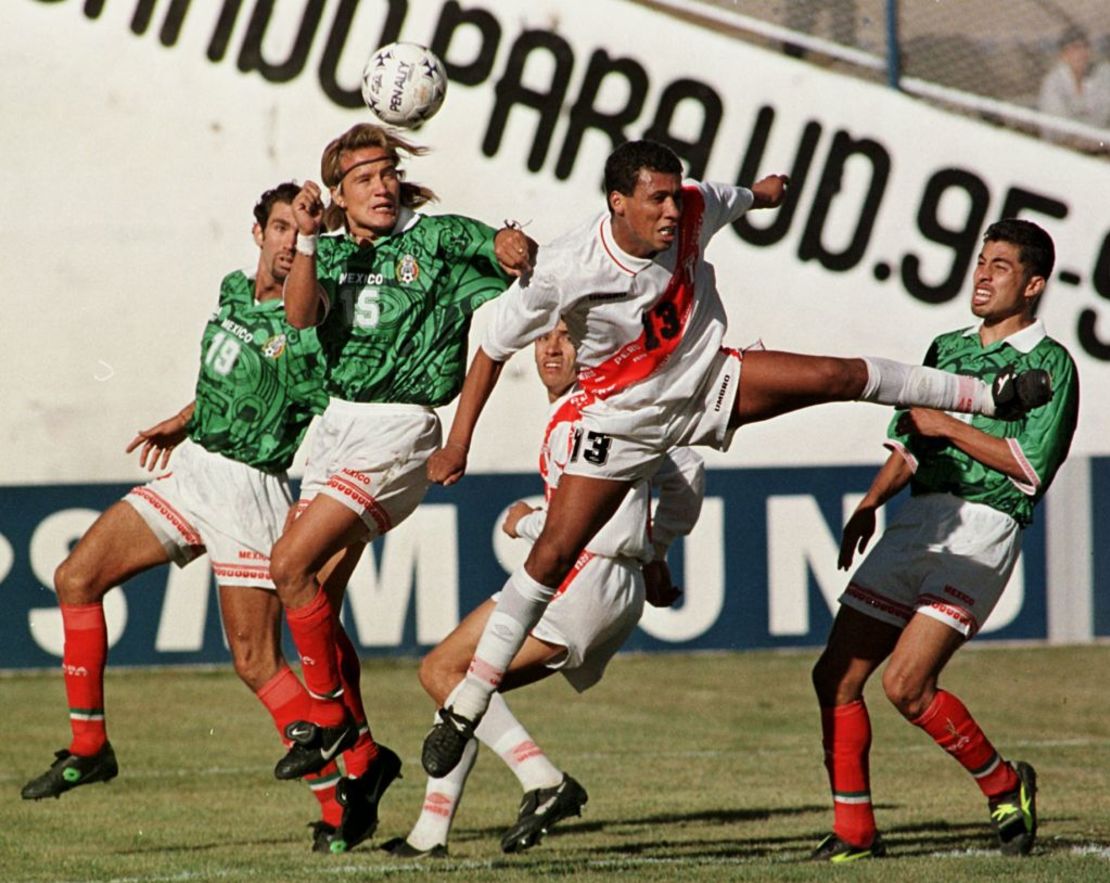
(1014, 815)
(444, 744)
(399, 847)
(313, 746)
(70, 771)
(1016, 394)
(326, 838)
(360, 797)
(540, 810)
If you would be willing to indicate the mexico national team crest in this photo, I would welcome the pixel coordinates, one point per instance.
(408, 270)
(274, 347)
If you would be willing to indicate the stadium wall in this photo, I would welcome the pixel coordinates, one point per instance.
(140, 134)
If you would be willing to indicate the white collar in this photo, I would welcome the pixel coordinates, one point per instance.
(1023, 341)
(624, 261)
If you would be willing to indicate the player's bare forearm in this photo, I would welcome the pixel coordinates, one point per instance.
(159, 440)
(894, 475)
(301, 294)
(770, 192)
(448, 465)
(990, 450)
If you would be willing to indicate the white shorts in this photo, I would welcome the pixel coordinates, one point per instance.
(942, 557)
(208, 502)
(371, 458)
(592, 615)
(628, 446)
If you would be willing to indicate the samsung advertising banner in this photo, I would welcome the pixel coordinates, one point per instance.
(140, 133)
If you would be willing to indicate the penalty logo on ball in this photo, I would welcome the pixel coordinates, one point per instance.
(404, 84)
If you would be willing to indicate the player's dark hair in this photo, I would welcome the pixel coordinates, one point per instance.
(1035, 249)
(622, 168)
(357, 137)
(285, 192)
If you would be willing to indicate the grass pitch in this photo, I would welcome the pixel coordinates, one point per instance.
(699, 767)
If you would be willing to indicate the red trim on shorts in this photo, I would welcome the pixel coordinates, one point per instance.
(873, 599)
(953, 611)
(179, 522)
(241, 571)
(584, 558)
(344, 482)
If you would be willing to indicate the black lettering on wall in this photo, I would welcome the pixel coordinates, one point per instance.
(1018, 199)
(250, 53)
(337, 41)
(1092, 344)
(225, 24)
(845, 147)
(799, 171)
(584, 115)
(963, 241)
(696, 153)
(451, 18)
(510, 91)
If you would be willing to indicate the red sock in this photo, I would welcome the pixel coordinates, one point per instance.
(83, 661)
(313, 630)
(287, 700)
(358, 757)
(846, 732)
(953, 729)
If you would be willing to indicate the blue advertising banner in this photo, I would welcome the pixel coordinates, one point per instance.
(759, 571)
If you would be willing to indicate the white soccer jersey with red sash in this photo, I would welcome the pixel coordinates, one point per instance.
(647, 329)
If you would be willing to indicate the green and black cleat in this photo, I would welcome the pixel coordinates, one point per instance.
(1014, 815)
(70, 771)
(833, 849)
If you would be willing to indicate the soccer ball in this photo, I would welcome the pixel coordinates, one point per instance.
(404, 84)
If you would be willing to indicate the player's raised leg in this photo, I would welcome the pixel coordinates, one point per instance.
(118, 546)
(323, 529)
(578, 509)
(774, 383)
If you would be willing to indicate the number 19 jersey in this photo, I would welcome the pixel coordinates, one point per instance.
(260, 381)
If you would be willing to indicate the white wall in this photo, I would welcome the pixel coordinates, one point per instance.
(129, 171)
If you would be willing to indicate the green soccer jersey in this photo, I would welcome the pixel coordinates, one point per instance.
(399, 309)
(1039, 441)
(260, 380)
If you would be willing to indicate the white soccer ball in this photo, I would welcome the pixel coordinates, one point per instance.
(404, 84)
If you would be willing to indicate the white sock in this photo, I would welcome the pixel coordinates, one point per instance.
(906, 386)
(502, 732)
(441, 802)
(522, 603)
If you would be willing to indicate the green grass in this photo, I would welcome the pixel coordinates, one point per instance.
(699, 767)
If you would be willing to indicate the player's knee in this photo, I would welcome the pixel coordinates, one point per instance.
(75, 584)
(549, 561)
(287, 568)
(256, 663)
(436, 678)
(906, 692)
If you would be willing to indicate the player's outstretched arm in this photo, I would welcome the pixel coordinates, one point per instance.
(894, 475)
(159, 441)
(302, 294)
(448, 464)
(770, 192)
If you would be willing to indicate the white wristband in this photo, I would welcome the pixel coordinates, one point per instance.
(306, 244)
